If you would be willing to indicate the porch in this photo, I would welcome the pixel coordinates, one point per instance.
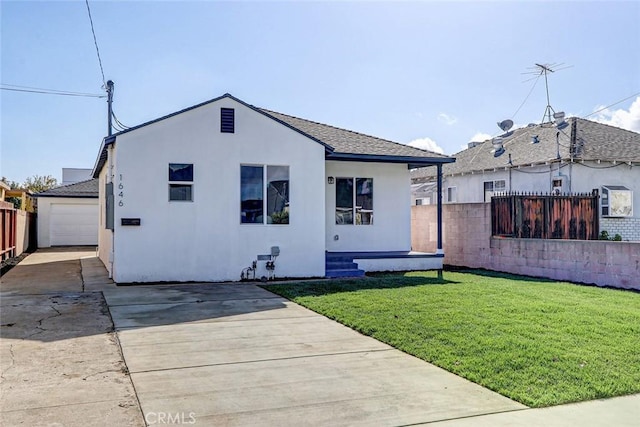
(355, 264)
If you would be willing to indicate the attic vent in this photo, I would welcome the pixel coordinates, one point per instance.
(227, 120)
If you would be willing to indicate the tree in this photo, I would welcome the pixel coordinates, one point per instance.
(13, 185)
(37, 183)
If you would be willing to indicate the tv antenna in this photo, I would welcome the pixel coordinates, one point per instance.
(545, 69)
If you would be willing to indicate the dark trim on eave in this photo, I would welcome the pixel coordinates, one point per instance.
(68, 196)
(111, 139)
(102, 155)
(412, 162)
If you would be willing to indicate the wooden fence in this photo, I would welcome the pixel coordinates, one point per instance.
(545, 216)
(18, 231)
(8, 227)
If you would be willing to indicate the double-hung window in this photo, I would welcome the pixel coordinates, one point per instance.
(354, 201)
(264, 194)
(493, 187)
(181, 182)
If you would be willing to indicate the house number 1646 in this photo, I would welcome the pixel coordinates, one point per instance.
(121, 192)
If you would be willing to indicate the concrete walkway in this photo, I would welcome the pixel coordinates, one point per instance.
(239, 355)
(60, 362)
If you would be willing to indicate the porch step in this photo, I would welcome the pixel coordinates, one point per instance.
(341, 265)
(351, 272)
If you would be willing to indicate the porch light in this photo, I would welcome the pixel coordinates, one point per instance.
(330, 180)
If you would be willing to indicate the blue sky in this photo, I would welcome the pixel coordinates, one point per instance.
(435, 73)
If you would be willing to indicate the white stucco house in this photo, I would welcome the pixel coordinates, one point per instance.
(68, 215)
(224, 189)
(573, 156)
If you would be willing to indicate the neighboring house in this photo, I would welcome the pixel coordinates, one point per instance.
(576, 156)
(201, 194)
(68, 215)
(73, 175)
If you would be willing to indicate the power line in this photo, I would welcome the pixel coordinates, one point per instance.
(15, 88)
(615, 103)
(527, 97)
(95, 41)
(118, 122)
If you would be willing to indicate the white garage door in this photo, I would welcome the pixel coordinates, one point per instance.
(73, 224)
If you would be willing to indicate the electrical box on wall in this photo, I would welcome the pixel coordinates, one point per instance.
(556, 186)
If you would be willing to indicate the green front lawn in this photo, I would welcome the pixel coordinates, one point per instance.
(536, 341)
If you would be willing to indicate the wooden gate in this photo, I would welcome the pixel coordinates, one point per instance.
(8, 230)
(545, 216)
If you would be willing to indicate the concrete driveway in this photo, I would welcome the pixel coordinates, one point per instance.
(239, 355)
(60, 362)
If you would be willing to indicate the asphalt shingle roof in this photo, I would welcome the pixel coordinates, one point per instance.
(593, 141)
(350, 142)
(88, 189)
(337, 141)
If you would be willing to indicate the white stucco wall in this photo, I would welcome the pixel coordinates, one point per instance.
(203, 240)
(105, 236)
(391, 228)
(44, 214)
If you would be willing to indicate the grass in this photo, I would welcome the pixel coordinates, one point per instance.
(536, 341)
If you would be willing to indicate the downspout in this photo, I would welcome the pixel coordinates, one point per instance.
(510, 168)
(439, 249)
(109, 177)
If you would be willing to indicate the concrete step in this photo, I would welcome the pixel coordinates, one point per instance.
(339, 258)
(341, 265)
(350, 272)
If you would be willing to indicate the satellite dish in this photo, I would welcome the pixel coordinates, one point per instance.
(559, 119)
(498, 149)
(505, 125)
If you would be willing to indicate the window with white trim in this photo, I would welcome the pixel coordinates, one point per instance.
(493, 187)
(354, 201)
(181, 182)
(616, 201)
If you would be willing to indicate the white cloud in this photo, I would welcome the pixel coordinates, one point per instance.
(621, 118)
(426, 144)
(480, 137)
(447, 119)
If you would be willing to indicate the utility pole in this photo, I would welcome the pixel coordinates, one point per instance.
(109, 107)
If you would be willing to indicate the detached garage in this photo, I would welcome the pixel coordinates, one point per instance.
(68, 215)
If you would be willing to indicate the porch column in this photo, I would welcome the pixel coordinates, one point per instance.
(439, 247)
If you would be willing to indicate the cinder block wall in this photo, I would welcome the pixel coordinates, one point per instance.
(627, 228)
(468, 243)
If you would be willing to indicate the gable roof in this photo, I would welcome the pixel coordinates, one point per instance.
(339, 144)
(343, 141)
(82, 189)
(581, 140)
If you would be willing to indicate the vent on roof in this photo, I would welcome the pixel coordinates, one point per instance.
(227, 120)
